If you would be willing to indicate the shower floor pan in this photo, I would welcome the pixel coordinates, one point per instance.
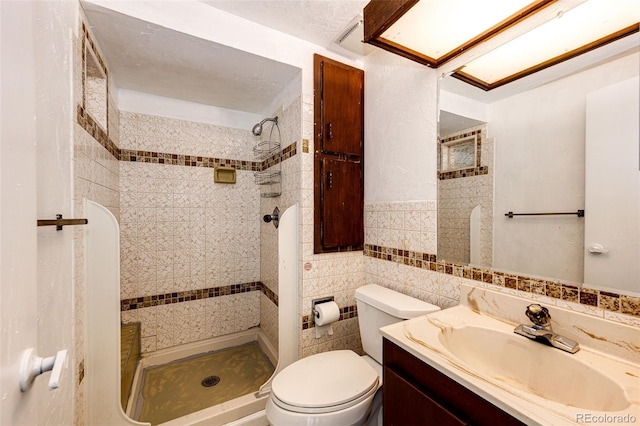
(174, 383)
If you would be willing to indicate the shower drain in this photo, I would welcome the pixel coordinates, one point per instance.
(207, 382)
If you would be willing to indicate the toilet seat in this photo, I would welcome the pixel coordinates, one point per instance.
(325, 382)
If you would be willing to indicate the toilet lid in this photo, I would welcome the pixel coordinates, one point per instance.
(324, 380)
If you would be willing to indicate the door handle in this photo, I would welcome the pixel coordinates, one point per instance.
(329, 180)
(329, 131)
(597, 249)
(32, 365)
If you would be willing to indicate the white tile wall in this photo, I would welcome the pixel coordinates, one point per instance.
(409, 226)
(181, 231)
(289, 124)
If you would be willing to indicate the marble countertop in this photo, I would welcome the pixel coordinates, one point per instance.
(611, 363)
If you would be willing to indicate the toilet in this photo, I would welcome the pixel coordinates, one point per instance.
(340, 387)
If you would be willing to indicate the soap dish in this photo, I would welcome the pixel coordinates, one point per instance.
(222, 174)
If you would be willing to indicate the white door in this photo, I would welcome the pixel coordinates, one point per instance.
(612, 187)
(18, 238)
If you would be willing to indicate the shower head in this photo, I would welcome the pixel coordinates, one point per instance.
(257, 129)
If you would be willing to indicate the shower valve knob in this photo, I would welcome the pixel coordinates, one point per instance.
(274, 217)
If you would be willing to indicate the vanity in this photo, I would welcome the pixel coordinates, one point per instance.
(465, 365)
(414, 391)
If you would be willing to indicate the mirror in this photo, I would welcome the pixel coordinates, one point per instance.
(94, 86)
(523, 148)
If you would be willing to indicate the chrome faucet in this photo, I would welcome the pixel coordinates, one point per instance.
(541, 330)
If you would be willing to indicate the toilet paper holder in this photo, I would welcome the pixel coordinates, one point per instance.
(315, 302)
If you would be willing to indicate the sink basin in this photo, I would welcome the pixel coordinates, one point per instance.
(518, 362)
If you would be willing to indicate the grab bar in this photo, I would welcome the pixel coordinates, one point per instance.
(59, 222)
(579, 213)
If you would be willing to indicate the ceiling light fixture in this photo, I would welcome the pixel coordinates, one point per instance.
(434, 32)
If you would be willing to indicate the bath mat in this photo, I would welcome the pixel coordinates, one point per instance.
(184, 386)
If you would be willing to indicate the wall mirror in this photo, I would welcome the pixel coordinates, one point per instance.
(558, 141)
(94, 86)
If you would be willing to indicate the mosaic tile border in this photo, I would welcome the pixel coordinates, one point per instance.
(276, 158)
(89, 124)
(189, 295)
(87, 40)
(455, 174)
(613, 302)
(347, 312)
(186, 160)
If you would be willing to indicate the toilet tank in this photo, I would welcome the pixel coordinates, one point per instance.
(379, 306)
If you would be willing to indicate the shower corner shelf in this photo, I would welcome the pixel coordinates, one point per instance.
(270, 194)
(265, 150)
(272, 180)
(267, 177)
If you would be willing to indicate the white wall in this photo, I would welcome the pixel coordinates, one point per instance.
(539, 148)
(461, 105)
(400, 129)
(145, 103)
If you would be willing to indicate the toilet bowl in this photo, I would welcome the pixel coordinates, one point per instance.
(332, 388)
(340, 387)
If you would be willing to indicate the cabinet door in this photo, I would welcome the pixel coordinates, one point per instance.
(405, 404)
(338, 156)
(340, 118)
(342, 204)
(431, 393)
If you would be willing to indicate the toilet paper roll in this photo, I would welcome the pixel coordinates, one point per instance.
(326, 313)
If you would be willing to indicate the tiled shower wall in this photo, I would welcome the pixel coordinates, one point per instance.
(181, 232)
(289, 123)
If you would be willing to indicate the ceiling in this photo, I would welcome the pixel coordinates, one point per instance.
(317, 21)
(150, 58)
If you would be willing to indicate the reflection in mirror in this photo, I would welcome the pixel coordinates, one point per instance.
(540, 135)
(94, 87)
(465, 191)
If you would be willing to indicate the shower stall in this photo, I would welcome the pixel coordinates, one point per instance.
(103, 358)
(199, 267)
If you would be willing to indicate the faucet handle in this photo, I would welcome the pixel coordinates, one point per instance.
(539, 315)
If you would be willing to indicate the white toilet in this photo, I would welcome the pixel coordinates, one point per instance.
(338, 387)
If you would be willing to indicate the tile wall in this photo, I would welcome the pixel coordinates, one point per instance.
(449, 276)
(289, 123)
(181, 232)
(397, 237)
